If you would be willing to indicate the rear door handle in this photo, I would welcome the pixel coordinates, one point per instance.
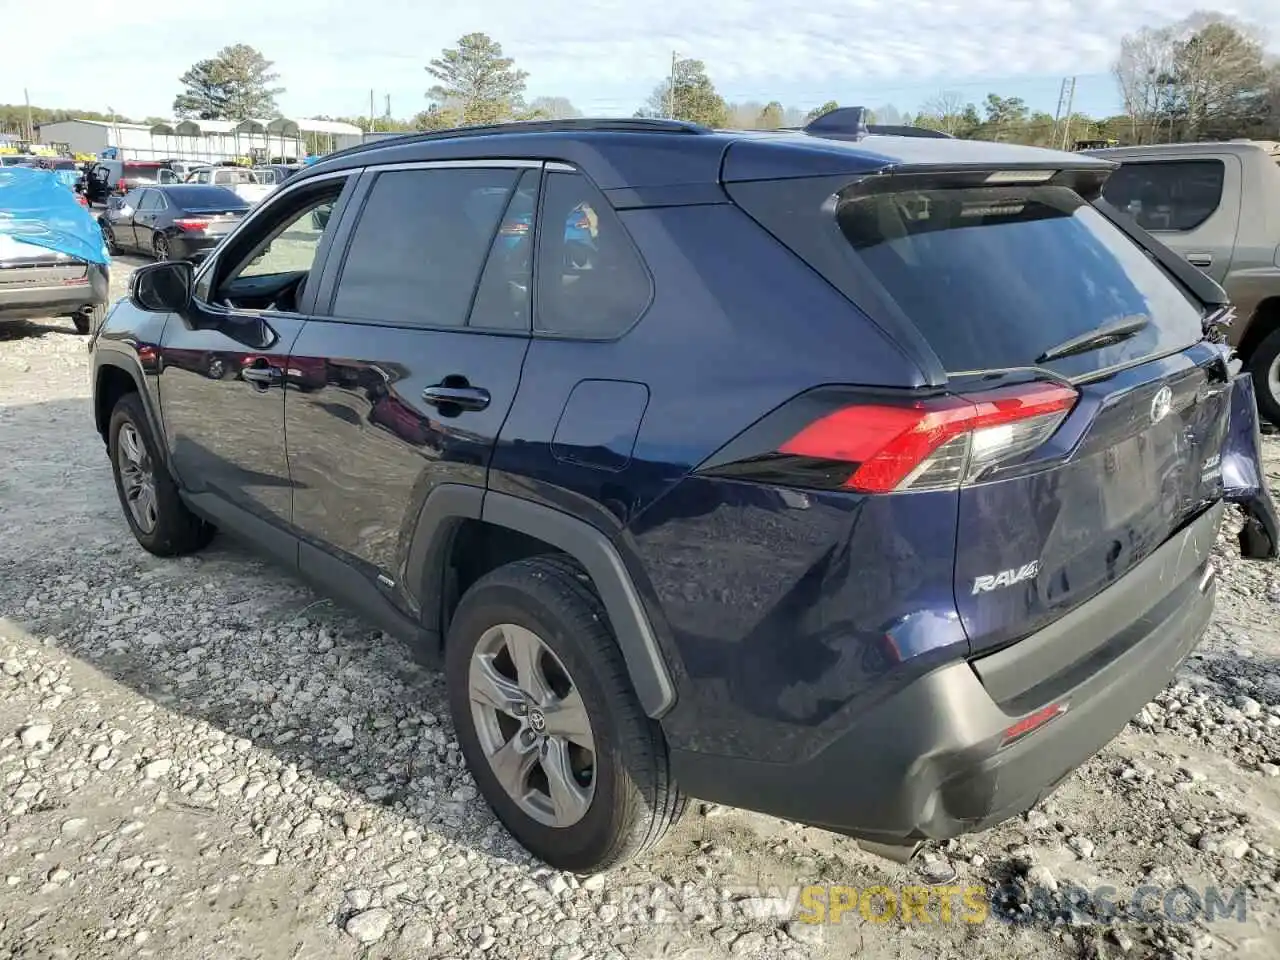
(463, 397)
(1201, 260)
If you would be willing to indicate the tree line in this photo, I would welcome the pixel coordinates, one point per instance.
(1205, 77)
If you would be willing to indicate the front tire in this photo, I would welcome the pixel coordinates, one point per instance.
(1264, 365)
(160, 521)
(109, 236)
(549, 723)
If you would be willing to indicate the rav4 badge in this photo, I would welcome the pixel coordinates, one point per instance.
(1006, 578)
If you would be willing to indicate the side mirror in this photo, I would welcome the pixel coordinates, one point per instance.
(162, 287)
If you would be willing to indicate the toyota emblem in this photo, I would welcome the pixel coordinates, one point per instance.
(1161, 404)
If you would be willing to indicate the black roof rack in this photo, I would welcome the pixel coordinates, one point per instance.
(579, 125)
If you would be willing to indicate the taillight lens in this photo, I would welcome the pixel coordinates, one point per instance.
(933, 444)
(189, 223)
(122, 186)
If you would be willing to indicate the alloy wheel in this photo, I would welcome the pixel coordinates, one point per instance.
(161, 245)
(532, 725)
(137, 478)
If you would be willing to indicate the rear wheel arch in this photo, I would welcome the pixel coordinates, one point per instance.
(464, 532)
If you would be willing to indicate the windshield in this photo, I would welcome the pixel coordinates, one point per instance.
(994, 276)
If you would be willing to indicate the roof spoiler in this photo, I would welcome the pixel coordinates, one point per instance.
(850, 123)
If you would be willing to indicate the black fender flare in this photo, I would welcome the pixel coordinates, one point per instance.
(450, 504)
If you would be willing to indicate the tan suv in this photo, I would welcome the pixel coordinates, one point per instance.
(1218, 205)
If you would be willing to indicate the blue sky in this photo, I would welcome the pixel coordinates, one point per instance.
(605, 55)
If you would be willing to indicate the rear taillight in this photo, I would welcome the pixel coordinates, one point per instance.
(122, 186)
(188, 223)
(934, 444)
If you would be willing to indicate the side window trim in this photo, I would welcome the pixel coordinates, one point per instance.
(260, 213)
(340, 246)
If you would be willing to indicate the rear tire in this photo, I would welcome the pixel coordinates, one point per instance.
(160, 247)
(90, 319)
(160, 521)
(1264, 366)
(629, 800)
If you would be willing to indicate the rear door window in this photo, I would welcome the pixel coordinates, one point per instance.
(1167, 194)
(995, 276)
(421, 242)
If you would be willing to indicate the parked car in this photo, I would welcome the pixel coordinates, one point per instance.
(247, 184)
(172, 222)
(867, 481)
(115, 178)
(1217, 205)
(183, 168)
(275, 174)
(49, 266)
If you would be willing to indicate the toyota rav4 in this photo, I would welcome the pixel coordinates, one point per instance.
(865, 480)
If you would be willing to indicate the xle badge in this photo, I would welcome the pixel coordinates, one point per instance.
(1006, 578)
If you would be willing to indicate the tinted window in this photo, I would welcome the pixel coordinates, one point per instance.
(503, 300)
(149, 200)
(995, 276)
(419, 246)
(1169, 194)
(193, 197)
(591, 282)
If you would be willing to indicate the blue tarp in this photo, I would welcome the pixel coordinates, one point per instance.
(36, 208)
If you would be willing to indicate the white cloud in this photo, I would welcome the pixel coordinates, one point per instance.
(330, 52)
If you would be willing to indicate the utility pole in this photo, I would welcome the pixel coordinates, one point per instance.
(388, 113)
(671, 110)
(1066, 120)
(371, 110)
(31, 129)
(1057, 114)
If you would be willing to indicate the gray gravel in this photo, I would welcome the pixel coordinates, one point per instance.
(202, 758)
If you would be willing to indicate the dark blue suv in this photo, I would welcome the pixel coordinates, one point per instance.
(865, 480)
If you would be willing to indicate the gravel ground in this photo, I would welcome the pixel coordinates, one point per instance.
(201, 758)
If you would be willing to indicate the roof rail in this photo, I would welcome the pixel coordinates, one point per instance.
(850, 123)
(898, 130)
(578, 125)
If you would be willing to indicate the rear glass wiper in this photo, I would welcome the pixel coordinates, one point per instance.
(1095, 339)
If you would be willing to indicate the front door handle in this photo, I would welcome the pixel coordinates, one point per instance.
(460, 397)
(262, 374)
(1202, 260)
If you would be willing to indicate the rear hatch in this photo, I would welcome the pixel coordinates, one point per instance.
(1079, 413)
(25, 266)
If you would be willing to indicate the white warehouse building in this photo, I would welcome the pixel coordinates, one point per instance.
(211, 141)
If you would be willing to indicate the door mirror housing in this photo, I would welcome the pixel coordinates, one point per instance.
(162, 287)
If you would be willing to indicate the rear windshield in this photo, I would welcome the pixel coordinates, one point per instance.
(142, 171)
(201, 197)
(995, 276)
